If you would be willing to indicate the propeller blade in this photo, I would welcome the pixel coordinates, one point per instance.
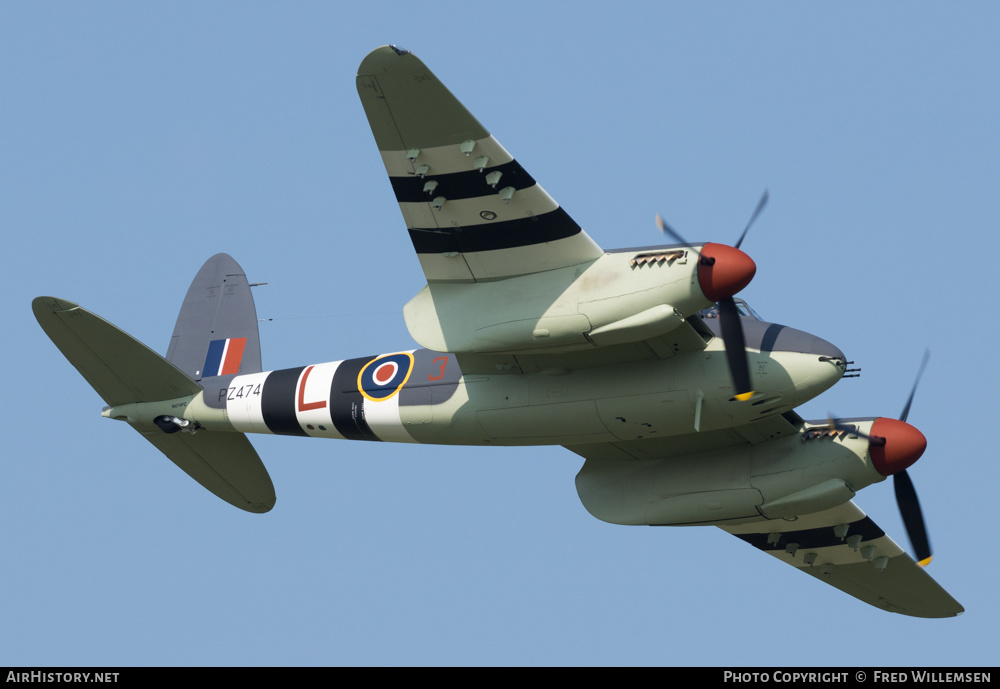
(736, 348)
(675, 235)
(906, 494)
(668, 230)
(913, 518)
(909, 401)
(837, 425)
(760, 207)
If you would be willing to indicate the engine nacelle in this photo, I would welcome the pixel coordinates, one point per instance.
(805, 472)
(621, 297)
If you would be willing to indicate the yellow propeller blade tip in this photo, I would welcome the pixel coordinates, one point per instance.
(744, 396)
(924, 563)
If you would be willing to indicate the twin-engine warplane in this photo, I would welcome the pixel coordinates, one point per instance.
(678, 397)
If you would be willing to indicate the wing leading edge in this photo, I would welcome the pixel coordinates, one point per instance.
(473, 213)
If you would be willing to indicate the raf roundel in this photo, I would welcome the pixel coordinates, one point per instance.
(385, 372)
(383, 376)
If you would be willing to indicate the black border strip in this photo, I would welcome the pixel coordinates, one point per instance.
(823, 537)
(277, 404)
(460, 185)
(347, 404)
(504, 234)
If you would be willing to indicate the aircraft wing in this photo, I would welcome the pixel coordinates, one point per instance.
(846, 549)
(722, 478)
(473, 213)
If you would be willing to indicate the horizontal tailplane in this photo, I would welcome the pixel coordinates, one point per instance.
(124, 371)
(225, 463)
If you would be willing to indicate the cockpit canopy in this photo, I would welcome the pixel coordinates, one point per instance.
(741, 306)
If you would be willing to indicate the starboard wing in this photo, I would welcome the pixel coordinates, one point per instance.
(707, 479)
(473, 213)
(846, 549)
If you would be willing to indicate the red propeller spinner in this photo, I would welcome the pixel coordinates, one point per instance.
(894, 446)
(723, 271)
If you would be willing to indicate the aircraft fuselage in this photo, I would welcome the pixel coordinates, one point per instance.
(423, 396)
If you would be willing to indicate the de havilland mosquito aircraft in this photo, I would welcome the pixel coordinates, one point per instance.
(678, 397)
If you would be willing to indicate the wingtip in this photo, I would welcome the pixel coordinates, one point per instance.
(41, 306)
(380, 58)
(53, 303)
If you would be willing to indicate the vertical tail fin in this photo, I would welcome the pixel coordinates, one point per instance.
(216, 331)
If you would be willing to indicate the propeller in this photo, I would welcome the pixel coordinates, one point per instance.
(736, 355)
(920, 372)
(906, 494)
(760, 207)
(722, 272)
(895, 445)
(667, 229)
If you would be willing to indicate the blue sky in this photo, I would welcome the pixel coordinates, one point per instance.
(138, 140)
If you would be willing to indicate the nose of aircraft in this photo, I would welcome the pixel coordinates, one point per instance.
(894, 445)
(774, 337)
(723, 271)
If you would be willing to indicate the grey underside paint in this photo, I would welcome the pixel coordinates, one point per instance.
(772, 337)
